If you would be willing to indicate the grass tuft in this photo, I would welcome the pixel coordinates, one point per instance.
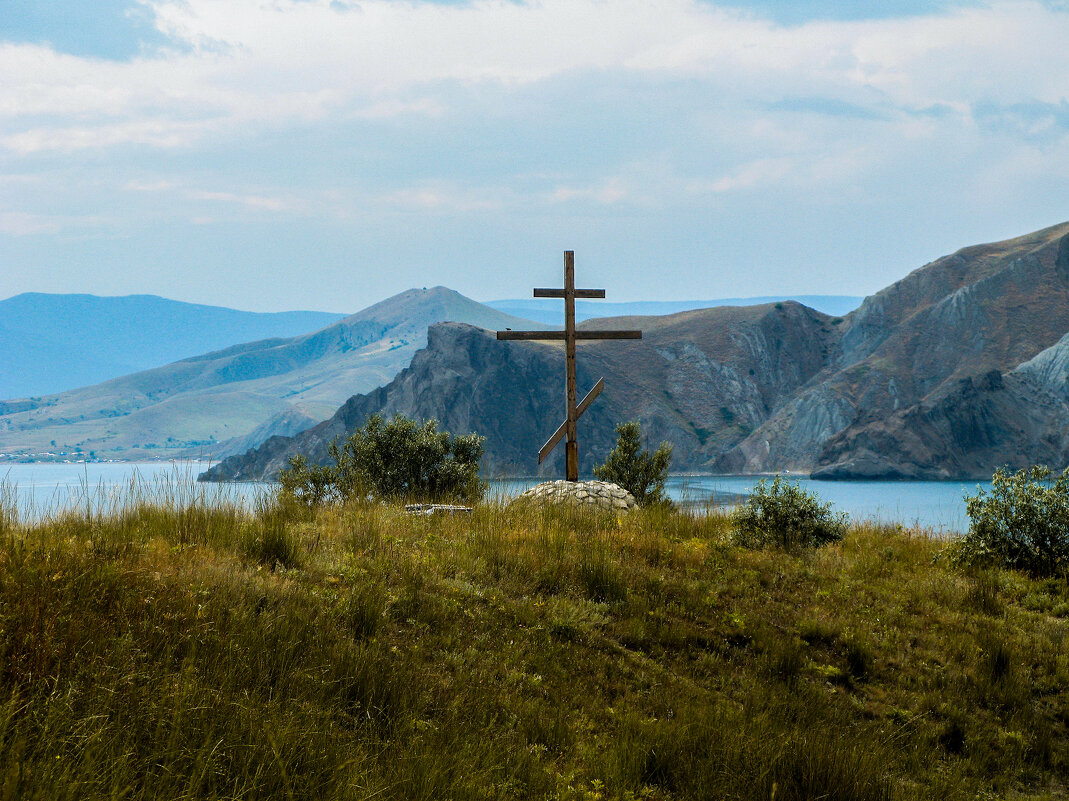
(269, 539)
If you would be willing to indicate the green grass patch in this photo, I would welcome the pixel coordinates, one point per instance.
(182, 648)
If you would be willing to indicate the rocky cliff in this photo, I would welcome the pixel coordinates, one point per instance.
(958, 368)
(700, 379)
(918, 349)
(1013, 419)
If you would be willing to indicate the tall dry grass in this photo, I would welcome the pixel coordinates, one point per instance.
(181, 645)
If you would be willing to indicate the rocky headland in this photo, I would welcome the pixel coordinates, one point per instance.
(958, 368)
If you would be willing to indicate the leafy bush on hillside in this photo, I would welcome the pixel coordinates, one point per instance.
(785, 515)
(1022, 523)
(395, 459)
(308, 485)
(636, 470)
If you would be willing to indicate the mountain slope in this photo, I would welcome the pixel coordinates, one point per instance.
(700, 379)
(960, 367)
(985, 308)
(197, 404)
(1012, 419)
(52, 343)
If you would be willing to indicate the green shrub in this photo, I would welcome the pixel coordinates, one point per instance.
(785, 515)
(634, 469)
(1022, 523)
(395, 459)
(308, 486)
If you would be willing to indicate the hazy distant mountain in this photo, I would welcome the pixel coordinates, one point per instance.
(212, 403)
(51, 343)
(551, 312)
(959, 368)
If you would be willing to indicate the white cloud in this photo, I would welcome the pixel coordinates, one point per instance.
(260, 202)
(20, 223)
(154, 132)
(385, 109)
(754, 174)
(440, 196)
(256, 201)
(264, 62)
(135, 185)
(605, 193)
(415, 128)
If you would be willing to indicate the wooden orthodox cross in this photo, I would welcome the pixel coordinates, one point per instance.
(570, 335)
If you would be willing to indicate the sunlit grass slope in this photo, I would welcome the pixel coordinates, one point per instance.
(176, 648)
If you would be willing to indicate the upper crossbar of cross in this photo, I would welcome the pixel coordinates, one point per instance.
(569, 335)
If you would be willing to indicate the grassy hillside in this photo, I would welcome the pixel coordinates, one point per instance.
(175, 648)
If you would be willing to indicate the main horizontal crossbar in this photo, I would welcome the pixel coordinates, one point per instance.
(562, 335)
(560, 293)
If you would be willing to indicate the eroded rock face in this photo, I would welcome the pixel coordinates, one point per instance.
(596, 494)
(1011, 420)
(956, 369)
(912, 389)
(701, 380)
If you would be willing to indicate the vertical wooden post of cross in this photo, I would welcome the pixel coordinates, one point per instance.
(571, 469)
(567, 429)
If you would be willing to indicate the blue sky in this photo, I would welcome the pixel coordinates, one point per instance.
(276, 154)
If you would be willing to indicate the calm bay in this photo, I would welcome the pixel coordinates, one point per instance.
(42, 488)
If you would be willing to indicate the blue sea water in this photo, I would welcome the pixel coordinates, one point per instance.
(41, 488)
(935, 505)
(938, 506)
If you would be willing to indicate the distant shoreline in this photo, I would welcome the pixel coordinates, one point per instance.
(787, 474)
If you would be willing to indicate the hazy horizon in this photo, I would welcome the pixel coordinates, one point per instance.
(316, 153)
(487, 302)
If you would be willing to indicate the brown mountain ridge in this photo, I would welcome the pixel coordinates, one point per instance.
(957, 368)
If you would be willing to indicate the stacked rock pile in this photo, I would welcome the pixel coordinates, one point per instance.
(602, 494)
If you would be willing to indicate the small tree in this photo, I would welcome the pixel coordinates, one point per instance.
(1022, 523)
(785, 515)
(391, 459)
(308, 486)
(634, 469)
